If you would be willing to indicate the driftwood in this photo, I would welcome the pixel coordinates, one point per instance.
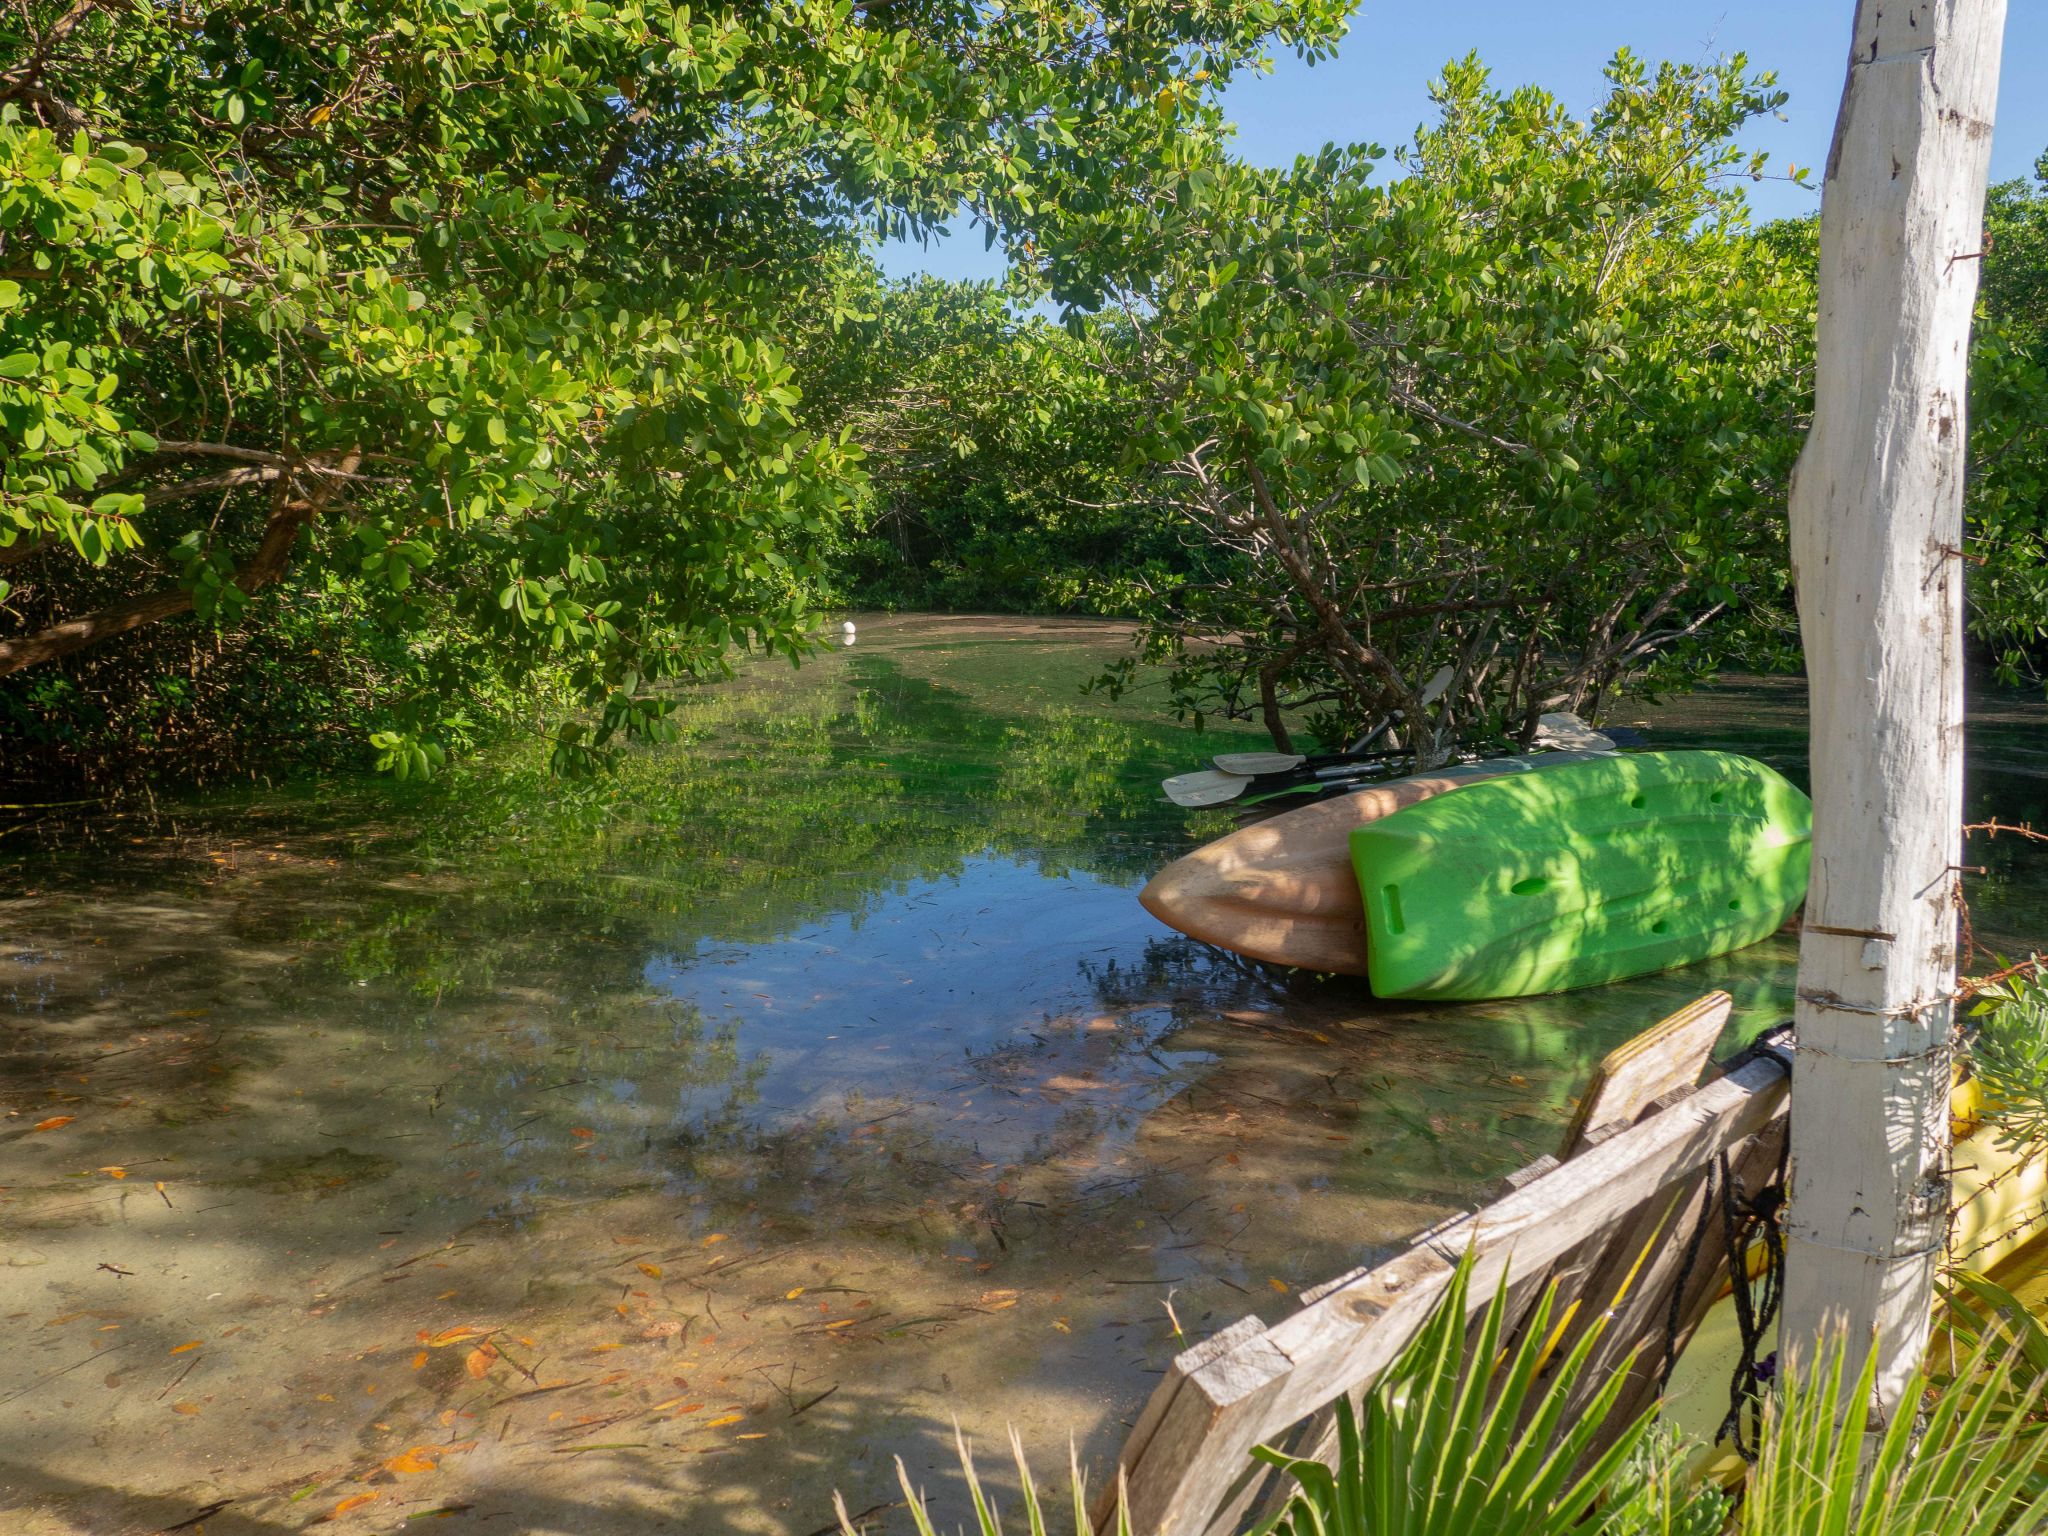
(1606, 1220)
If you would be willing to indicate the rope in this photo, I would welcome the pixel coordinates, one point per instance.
(1746, 1220)
(1685, 1268)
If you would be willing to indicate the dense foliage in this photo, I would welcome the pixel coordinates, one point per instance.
(1520, 417)
(994, 445)
(2006, 496)
(383, 372)
(480, 330)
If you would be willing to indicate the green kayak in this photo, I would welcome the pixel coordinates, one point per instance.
(1589, 873)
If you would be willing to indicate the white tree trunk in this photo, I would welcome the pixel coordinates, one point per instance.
(1876, 519)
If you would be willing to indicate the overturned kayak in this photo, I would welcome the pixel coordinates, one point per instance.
(1283, 891)
(1596, 871)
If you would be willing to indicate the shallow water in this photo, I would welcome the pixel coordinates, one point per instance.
(662, 1157)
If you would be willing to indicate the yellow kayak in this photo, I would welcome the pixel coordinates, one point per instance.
(2000, 1201)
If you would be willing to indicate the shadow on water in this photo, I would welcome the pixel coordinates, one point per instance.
(662, 1155)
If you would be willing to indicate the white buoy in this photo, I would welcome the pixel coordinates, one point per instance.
(846, 632)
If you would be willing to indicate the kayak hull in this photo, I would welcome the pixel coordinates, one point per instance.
(1283, 891)
(1603, 870)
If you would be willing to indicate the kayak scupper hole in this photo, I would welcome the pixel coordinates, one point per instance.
(1735, 905)
(1637, 802)
(1530, 886)
(1716, 797)
(1662, 925)
(1390, 895)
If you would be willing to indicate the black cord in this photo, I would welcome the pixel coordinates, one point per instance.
(1745, 1221)
(1685, 1269)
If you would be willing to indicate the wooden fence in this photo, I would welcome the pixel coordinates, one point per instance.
(1610, 1219)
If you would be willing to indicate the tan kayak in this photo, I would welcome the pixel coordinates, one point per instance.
(1282, 890)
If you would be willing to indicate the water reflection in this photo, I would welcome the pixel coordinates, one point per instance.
(659, 1155)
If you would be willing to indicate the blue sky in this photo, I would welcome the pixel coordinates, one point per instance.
(1375, 89)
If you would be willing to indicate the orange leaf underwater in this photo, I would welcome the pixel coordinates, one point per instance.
(356, 1501)
(53, 1122)
(421, 1458)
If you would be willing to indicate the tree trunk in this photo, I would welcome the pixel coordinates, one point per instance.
(1876, 517)
(289, 517)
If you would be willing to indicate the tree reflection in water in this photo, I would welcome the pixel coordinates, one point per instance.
(661, 1153)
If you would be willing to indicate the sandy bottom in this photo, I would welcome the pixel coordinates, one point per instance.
(666, 1167)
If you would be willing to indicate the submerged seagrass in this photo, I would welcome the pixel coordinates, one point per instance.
(1590, 873)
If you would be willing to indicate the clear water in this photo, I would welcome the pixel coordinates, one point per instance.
(664, 1156)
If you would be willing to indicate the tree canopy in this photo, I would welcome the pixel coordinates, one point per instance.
(2005, 498)
(381, 371)
(1517, 418)
(487, 324)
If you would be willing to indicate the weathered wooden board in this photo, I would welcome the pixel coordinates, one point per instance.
(1668, 1056)
(1186, 1474)
(1661, 1064)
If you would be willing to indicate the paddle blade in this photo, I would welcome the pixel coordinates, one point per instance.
(1567, 730)
(1257, 762)
(1208, 786)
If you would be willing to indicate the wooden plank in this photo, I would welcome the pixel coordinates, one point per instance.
(1650, 1071)
(1258, 1388)
(1103, 1512)
(1664, 1059)
(1631, 1077)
